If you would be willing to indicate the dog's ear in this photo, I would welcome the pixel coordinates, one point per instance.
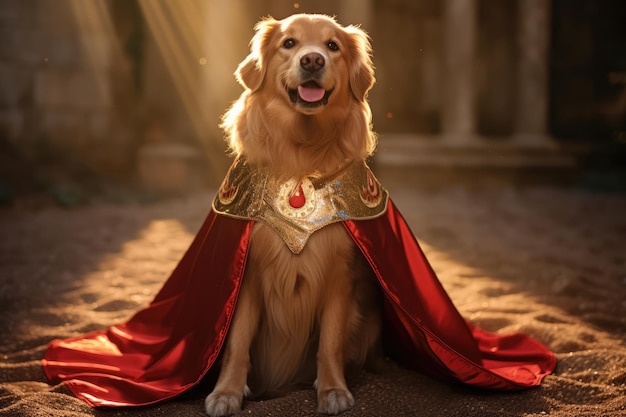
(360, 62)
(251, 71)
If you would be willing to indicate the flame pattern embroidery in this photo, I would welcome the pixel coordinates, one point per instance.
(371, 195)
(227, 191)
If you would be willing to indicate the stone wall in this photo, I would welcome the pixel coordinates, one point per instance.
(59, 61)
(116, 86)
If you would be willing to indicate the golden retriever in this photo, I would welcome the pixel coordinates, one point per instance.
(307, 316)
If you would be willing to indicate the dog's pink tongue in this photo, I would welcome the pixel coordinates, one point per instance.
(311, 94)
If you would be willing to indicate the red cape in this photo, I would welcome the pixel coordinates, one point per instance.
(168, 347)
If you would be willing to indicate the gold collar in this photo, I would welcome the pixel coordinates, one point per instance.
(296, 208)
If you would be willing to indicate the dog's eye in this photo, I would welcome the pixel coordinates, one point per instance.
(289, 43)
(332, 45)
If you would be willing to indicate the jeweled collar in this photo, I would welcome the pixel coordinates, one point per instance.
(297, 207)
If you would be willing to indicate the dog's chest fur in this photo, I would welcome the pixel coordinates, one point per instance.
(291, 291)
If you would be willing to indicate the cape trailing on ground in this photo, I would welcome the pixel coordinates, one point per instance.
(168, 347)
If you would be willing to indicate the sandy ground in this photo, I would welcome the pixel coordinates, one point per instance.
(550, 262)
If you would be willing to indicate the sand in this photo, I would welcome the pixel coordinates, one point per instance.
(550, 262)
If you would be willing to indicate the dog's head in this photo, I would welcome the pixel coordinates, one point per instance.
(310, 60)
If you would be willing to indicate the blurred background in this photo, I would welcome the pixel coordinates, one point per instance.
(102, 95)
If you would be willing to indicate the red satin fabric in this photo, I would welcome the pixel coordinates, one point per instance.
(425, 331)
(169, 346)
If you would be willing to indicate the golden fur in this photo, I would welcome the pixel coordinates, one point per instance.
(301, 317)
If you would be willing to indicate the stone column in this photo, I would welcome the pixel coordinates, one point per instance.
(459, 34)
(531, 123)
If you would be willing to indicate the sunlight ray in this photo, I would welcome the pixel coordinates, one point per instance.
(177, 31)
(94, 21)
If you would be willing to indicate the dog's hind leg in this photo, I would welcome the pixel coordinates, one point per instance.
(227, 396)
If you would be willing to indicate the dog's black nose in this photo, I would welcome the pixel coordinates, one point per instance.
(312, 62)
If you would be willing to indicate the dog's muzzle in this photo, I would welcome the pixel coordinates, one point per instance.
(310, 93)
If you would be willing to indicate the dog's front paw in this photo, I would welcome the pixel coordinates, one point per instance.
(334, 401)
(219, 404)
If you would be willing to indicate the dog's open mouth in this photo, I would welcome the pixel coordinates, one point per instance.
(309, 94)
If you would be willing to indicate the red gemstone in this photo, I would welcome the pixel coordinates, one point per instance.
(297, 199)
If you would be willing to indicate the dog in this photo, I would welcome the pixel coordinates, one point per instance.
(313, 316)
